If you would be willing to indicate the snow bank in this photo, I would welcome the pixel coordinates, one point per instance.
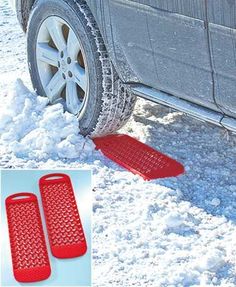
(29, 127)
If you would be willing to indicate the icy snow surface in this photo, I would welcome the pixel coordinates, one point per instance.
(170, 232)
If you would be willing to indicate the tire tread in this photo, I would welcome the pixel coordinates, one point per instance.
(117, 99)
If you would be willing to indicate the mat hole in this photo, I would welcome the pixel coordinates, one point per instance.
(21, 197)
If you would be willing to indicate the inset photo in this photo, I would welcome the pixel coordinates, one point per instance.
(46, 227)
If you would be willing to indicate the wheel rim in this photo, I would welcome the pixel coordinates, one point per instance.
(62, 64)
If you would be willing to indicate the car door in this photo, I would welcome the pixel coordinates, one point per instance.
(222, 32)
(163, 44)
(180, 45)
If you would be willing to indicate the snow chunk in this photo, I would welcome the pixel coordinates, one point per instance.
(31, 128)
(215, 202)
(212, 261)
(173, 220)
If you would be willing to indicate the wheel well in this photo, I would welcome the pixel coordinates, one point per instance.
(23, 8)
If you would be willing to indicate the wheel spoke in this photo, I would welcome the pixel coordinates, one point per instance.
(63, 54)
(72, 100)
(47, 54)
(55, 30)
(55, 87)
(80, 76)
(73, 46)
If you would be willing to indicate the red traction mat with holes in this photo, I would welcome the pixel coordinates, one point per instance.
(28, 248)
(138, 157)
(65, 231)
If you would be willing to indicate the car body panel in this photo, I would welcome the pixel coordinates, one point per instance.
(222, 31)
(191, 8)
(162, 48)
(181, 55)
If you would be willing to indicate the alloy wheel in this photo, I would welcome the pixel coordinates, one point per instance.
(62, 64)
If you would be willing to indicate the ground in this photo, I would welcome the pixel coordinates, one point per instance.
(170, 232)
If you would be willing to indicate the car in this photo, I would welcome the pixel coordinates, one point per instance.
(97, 57)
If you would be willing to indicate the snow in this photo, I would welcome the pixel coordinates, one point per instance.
(212, 261)
(169, 232)
(30, 128)
(215, 202)
(173, 220)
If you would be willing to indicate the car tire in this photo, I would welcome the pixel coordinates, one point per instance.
(109, 102)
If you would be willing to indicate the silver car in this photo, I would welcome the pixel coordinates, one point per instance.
(96, 56)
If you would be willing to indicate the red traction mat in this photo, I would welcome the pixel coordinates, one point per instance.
(138, 157)
(28, 248)
(65, 231)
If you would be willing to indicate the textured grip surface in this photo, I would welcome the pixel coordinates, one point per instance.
(28, 248)
(64, 226)
(138, 157)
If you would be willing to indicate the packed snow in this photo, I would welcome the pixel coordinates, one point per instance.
(30, 128)
(170, 232)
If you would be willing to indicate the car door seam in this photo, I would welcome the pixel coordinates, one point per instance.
(211, 58)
